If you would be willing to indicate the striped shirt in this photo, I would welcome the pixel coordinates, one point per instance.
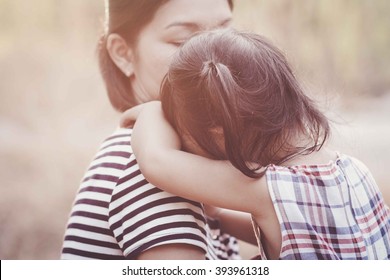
(117, 214)
(329, 211)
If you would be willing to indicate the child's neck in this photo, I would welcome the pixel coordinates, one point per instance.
(318, 157)
(323, 156)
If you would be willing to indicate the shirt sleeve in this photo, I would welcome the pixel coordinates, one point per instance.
(142, 216)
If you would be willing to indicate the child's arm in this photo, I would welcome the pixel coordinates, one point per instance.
(157, 149)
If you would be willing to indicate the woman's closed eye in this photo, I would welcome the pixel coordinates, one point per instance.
(177, 43)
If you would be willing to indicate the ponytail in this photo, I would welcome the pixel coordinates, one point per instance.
(224, 93)
(220, 82)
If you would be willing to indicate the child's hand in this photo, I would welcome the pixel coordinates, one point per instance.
(152, 133)
(129, 117)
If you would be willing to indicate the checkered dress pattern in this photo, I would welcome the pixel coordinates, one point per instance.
(329, 211)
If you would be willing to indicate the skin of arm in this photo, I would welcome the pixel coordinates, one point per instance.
(157, 149)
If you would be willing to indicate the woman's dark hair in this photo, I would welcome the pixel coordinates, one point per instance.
(240, 83)
(126, 18)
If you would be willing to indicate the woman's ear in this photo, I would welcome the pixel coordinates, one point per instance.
(120, 53)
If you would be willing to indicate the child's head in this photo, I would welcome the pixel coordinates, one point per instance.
(238, 87)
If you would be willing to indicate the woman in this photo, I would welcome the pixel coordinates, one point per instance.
(117, 214)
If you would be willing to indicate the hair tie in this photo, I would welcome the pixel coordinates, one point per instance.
(208, 67)
(211, 64)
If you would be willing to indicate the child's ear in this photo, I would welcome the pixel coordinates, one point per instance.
(121, 54)
(217, 131)
(219, 137)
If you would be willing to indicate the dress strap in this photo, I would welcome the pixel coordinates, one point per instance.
(262, 255)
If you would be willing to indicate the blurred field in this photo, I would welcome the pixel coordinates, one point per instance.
(54, 111)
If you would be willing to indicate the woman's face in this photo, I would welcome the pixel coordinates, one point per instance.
(171, 26)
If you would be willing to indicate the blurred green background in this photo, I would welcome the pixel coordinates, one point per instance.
(54, 111)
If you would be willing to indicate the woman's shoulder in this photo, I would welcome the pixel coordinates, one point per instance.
(113, 155)
(132, 190)
(120, 137)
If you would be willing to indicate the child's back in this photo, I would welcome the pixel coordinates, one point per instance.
(329, 211)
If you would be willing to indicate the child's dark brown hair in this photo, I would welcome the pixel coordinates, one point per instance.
(238, 82)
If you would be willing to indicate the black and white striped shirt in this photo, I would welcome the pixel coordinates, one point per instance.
(117, 214)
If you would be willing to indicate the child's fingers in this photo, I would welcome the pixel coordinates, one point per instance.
(129, 117)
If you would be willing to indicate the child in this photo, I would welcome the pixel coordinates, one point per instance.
(258, 145)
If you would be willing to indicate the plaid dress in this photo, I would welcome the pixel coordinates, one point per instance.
(329, 211)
